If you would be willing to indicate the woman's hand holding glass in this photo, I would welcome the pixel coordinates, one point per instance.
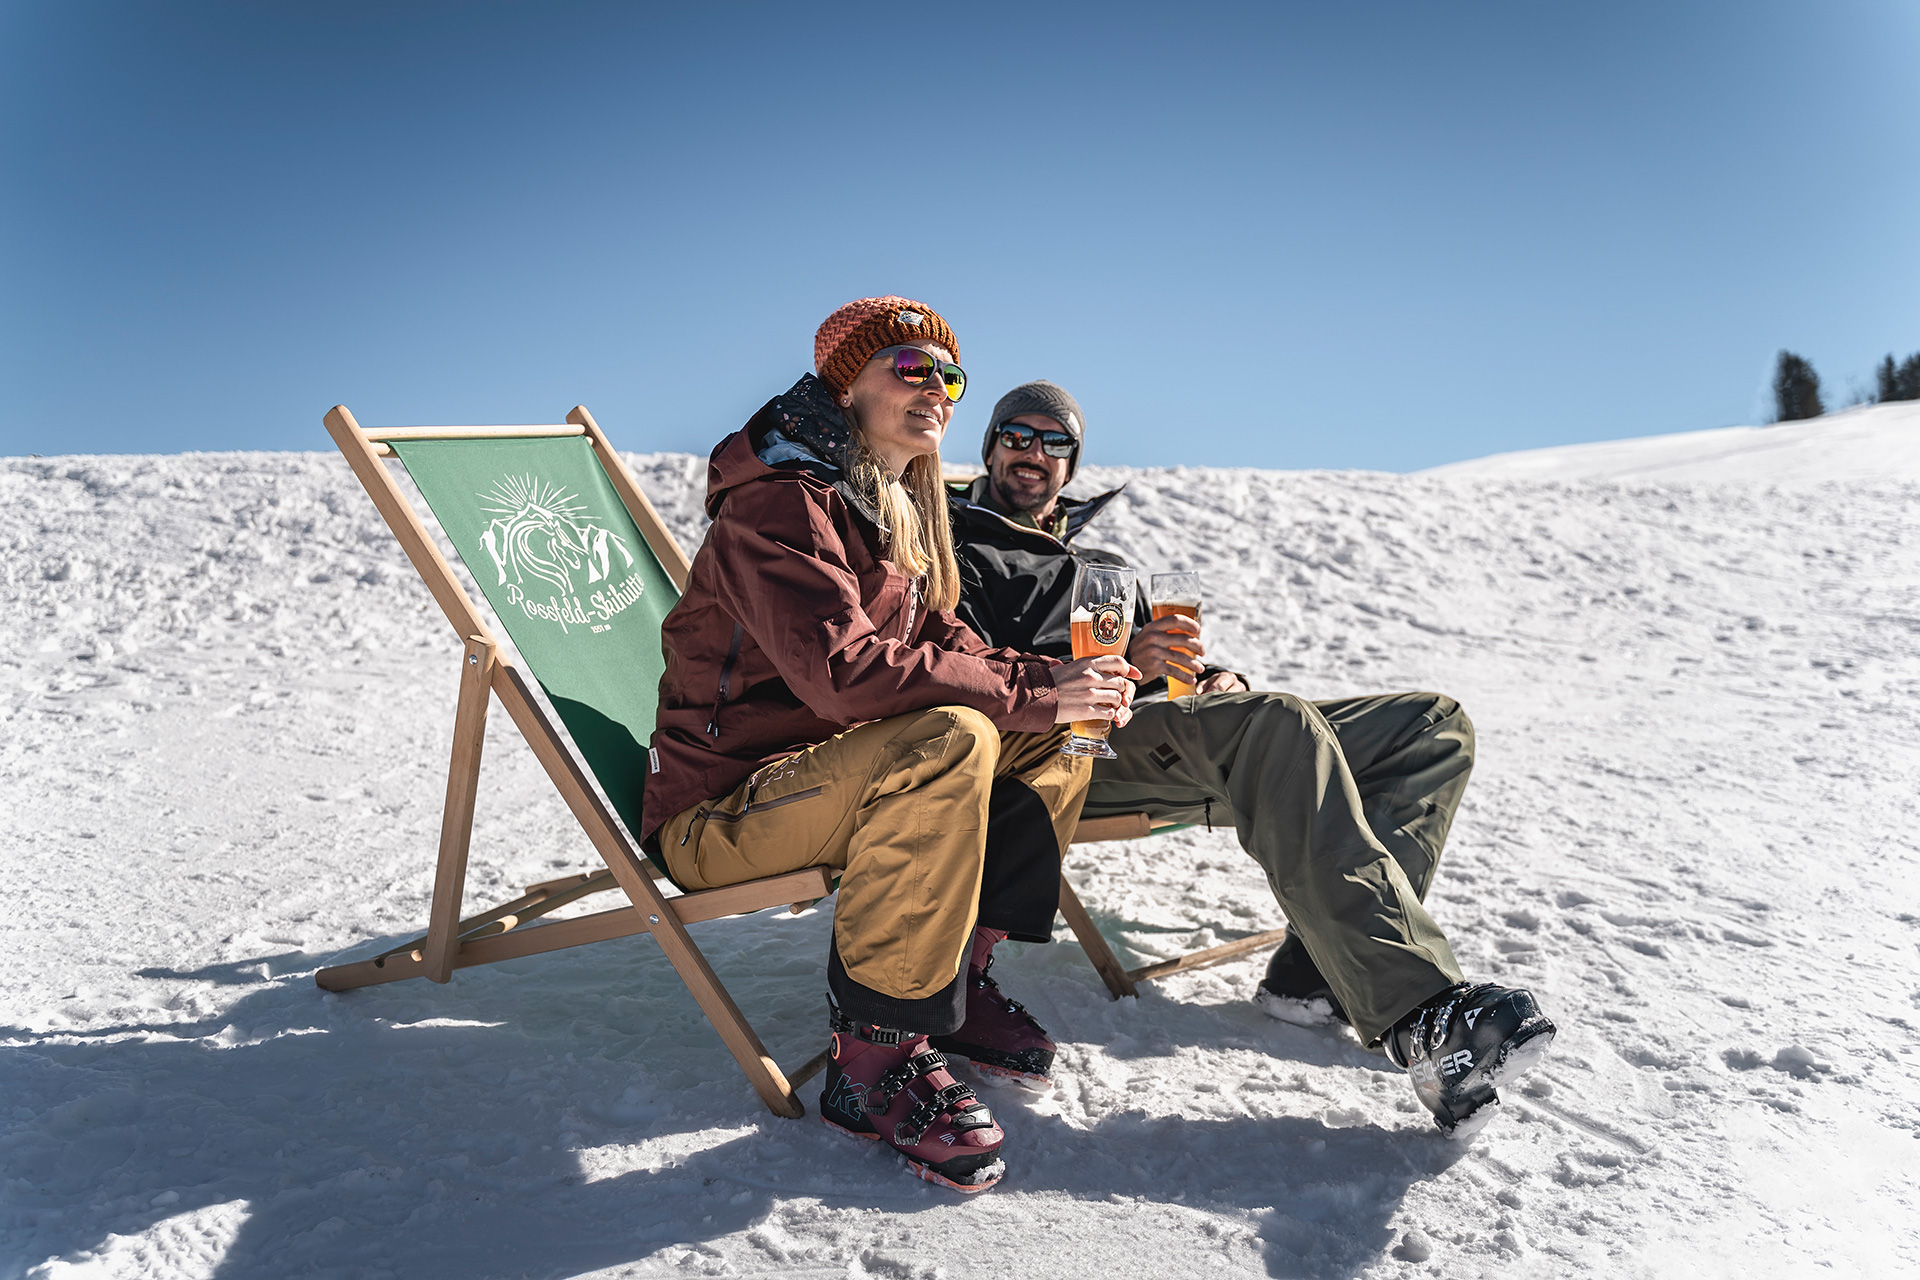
(1098, 688)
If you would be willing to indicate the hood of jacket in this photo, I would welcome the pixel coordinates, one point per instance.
(801, 429)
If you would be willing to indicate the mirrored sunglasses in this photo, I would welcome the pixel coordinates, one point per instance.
(913, 366)
(1055, 444)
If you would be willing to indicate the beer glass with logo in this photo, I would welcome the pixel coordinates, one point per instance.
(1102, 621)
(1177, 594)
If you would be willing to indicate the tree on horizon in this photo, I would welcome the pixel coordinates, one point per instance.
(1796, 389)
(1899, 381)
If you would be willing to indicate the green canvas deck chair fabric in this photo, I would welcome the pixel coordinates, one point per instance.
(579, 569)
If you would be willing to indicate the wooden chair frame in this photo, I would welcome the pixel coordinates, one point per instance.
(502, 933)
(454, 943)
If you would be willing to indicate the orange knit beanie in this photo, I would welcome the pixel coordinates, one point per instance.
(847, 339)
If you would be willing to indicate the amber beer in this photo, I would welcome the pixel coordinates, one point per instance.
(1176, 687)
(1100, 622)
(1177, 595)
(1087, 645)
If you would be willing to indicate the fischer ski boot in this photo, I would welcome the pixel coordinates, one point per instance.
(1464, 1042)
(1294, 991)
(999, 1037)
(891, 1086)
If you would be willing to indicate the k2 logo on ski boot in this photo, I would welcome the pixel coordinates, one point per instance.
(848, 1098)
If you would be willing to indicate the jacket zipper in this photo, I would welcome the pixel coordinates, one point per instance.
(913, 606)
(726, 678)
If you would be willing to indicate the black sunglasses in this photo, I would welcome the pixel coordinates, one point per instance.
(1055, 444)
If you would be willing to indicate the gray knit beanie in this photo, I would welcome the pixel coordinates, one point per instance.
(1039, 396)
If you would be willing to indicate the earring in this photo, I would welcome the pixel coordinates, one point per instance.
(846, 402)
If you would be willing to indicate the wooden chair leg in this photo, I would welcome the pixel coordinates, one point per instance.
(1226, 951)
(811, 1067)
(762, 1072)
(1094, 944)
(456, 822)
(637, 881)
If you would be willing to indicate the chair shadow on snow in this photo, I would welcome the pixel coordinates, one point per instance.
(566, 1113)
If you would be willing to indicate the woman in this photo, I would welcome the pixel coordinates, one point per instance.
(822, 706)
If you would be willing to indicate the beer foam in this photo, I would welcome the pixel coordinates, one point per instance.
(1080, 615)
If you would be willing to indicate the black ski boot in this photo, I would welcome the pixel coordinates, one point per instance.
(1464, 1042)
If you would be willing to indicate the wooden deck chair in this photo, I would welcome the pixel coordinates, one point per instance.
(579, 569)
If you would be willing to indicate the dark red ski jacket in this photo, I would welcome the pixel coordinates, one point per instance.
(794, 627)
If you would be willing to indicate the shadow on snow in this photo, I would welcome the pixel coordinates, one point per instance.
(577, 1114)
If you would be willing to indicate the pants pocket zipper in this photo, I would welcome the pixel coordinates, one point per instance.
(805, 793)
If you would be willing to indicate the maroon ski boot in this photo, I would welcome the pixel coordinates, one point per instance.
(891, 1086)
(999, 1037)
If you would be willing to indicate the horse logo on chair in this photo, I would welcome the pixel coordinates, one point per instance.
(542, 531)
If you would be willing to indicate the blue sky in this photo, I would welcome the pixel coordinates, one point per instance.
(1381, 235)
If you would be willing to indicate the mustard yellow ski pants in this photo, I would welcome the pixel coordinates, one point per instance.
(935, 821)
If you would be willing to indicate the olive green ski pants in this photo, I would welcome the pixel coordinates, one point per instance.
(1345, 804)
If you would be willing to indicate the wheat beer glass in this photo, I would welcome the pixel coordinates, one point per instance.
(1102, 621)
(1177, 594)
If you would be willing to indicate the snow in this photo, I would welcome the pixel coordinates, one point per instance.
(1869, 443)
(1694, 663)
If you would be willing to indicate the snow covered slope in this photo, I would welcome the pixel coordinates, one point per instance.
(1872, 444)
(226, 704)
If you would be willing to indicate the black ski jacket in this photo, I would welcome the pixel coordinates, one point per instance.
(1016, 583)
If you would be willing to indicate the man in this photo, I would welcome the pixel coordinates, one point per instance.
(1345, 804)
